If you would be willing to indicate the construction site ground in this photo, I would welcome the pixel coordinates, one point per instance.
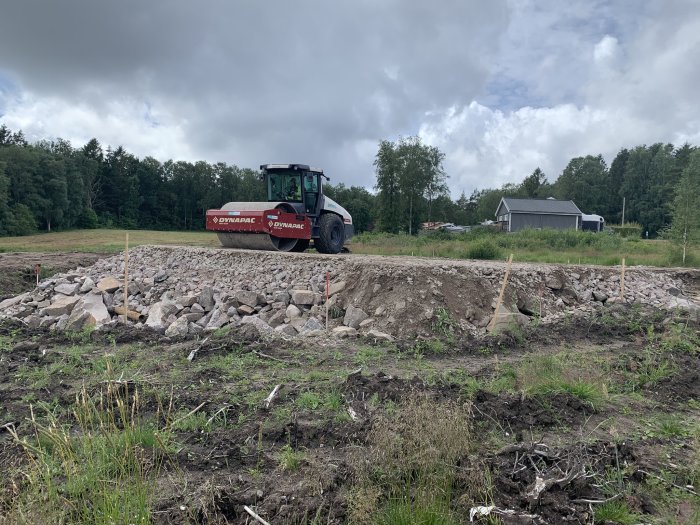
(592, 419)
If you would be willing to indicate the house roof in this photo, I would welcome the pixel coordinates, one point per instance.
(550, 206)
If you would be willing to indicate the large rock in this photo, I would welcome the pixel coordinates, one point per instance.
(206, 298)
(12, 301)
(380, 336)
(311, 325)
(354, 316)
(159, 312)
(281, 297)
(682, 303)
(507, 322)
(599, 296)
(67, 288)
(62, 305)
(247, 297)
(258, 323)
(76, 321)
(335, 288)
(293, 312)
(344, 331)
(217, 320)
(277, 319)
(89, 311)
(188, 300)
(179, 328)
(244, 309)
(554, 281)
(286, 329)
(108, 285)
(303, 297)
(88, 284)
(298, 323)
(528, 304)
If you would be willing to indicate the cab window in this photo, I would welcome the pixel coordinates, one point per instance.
(284, 186)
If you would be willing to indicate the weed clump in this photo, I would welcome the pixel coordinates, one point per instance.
(410, 468)
(99, 469)
(549, 375)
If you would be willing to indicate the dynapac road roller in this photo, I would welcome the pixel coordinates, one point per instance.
(297, 212)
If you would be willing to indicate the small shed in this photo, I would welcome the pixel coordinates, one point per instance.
(517, 214)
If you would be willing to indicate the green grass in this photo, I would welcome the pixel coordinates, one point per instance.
(368, 355)
(69, 364)
(549, 246)
(617, 512)
(552, 375)
(402, 511)
(98, 468)
(290, 459)
(102, 241)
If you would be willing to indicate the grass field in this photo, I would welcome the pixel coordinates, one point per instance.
(566, 247)
(102, 241)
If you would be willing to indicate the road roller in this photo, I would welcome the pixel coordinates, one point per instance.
(296, 213)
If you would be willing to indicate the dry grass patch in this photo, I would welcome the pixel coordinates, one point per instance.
(408, 474)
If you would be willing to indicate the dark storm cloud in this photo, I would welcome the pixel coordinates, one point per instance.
(252, 82)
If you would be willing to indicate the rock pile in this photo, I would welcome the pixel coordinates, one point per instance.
(182, 291)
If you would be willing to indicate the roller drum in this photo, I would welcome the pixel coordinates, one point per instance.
(256, 241)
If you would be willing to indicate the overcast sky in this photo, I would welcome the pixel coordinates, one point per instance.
(501, 86)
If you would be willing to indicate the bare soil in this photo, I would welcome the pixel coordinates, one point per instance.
(17, 273)
(334, 391)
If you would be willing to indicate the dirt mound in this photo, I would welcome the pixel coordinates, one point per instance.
(188, 291)
(682, 386)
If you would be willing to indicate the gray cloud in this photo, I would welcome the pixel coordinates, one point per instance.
(502, 87)
(251, 82)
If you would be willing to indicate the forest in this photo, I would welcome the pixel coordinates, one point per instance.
(52, 185)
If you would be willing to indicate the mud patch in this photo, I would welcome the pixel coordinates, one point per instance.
(683, 385)
(516, 413)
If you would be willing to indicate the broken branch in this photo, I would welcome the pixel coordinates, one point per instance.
(254, 515)
(193, 353)
(191, 412)
(268, 399)
(266, 356)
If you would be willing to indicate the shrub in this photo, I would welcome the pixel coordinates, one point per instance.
(88, 219)
(631, 229)
(484, 249)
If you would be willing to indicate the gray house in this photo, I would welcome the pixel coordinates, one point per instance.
(516, 214)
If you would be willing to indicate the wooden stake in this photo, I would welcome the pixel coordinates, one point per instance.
(503, 291)
(622, 280)
(126, 278)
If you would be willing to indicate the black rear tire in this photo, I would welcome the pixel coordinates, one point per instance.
(331, 234)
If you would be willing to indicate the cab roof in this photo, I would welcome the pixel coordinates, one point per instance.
(300, 167)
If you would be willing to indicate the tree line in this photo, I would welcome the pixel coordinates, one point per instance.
(51, 185)
(651, 181)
